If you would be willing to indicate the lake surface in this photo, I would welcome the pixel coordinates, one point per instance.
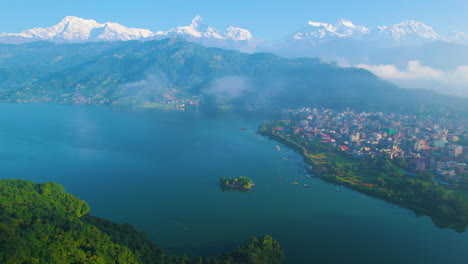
(160, 171)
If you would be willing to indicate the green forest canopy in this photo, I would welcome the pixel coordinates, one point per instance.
(240, 182)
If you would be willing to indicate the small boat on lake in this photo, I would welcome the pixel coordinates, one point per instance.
(294, 183)
(278, 148)
(306, 185)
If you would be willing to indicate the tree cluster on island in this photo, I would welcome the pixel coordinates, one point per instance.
(41, 223)
(240, 182)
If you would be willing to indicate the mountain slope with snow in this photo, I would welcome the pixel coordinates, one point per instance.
(318, 31)
(75, 29)
(200, 32)
(407, 32)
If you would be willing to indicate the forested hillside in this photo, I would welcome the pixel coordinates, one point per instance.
(174, 73)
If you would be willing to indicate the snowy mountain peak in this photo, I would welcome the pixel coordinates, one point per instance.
(198, 25)
(407, 32)
(346, 23)
(196, 20)
(236, 33)
(410, 31)
(74, 19)
(70, 28)
(199, 29)
(317, 24)
(115, 31)
(322, 31)
(346, 28)
(76, 29)
(411, 23)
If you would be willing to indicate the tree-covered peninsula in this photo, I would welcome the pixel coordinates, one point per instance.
(42, 223)
(241, 182)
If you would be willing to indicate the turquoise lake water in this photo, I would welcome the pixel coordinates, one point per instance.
(160, 171)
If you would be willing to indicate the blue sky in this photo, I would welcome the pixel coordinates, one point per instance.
(268, 19)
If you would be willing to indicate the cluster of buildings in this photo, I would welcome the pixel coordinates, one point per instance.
(426, 143)
(168, 100)
(172, 99)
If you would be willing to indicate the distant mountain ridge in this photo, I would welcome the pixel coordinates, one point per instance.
(348, 44)
(411, 31)
(319, 31)
(75, 29)
(200, 29)
(200, 32)
(388, 51)
(408, 32)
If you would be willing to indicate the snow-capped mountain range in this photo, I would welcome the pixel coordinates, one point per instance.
(75, 29)
(407, 32)
(325, 31)
(199, 29)
(199, 32)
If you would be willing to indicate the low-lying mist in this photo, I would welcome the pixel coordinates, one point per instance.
(417, 75)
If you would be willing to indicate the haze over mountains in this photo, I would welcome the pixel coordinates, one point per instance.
(174, 72)
(410, 53)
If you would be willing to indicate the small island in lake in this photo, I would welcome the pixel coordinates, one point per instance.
(241, 182)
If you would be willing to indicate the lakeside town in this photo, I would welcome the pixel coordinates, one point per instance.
(171, 99)
(430, 144)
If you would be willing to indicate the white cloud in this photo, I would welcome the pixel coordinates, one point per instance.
(461, 73)
(231, 87)
(417, 75)
(414, 70)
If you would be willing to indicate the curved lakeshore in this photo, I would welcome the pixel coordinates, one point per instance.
(424, 197)
(181, 207)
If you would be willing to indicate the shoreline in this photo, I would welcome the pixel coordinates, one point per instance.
(451, 223)
(236, 187)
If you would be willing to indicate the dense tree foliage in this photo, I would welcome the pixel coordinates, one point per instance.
(257, 251)
(261, 250)
(41, 223)
(240, 182)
